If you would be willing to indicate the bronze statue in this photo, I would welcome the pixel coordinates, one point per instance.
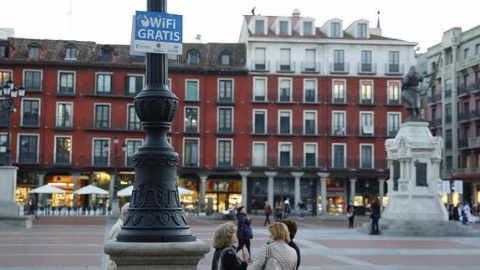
(411, 93)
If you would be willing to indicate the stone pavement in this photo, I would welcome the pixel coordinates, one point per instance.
(77, 243)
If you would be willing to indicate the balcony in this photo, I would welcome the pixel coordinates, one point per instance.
(339, 68)
(368, 131)
(475, 115)
(226, 131)
(467, 171)
(469, 62)
(463, 117)
(463, 91)
(463, 144)
(434, 99)
(474, 87)
(393, 102)
(285, 66)
(394, 69)
(474, 142)
(225, 101)
(366, 102)
(260, 66)
(310, 67)
(367, 69)
(339, 101)
(435, 123)
(340, 131)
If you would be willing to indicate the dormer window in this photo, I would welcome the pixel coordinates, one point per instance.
(260, 27)
(283, 25)
(4, 50)
(307, 28)
(34, 52)
(193, 57)
(71, 52)
(225, 58)
(335, 30)
(362, 30)
(107, 54)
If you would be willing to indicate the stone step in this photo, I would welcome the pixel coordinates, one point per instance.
(422, 228)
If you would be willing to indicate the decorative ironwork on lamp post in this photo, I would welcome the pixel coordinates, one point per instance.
(10, 93)
(155, 212)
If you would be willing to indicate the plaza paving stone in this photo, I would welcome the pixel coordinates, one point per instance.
(76, 243)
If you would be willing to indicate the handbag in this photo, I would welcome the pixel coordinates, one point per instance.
(271, 263)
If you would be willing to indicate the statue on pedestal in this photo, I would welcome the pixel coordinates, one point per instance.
(412, 94)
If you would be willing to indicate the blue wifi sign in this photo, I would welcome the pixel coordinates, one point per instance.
(156, 32)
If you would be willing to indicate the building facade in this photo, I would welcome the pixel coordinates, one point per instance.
(292, 110)
(453, 105)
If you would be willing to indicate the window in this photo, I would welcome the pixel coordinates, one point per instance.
(225, 90)
(284, 93)
(338, 60)
(225, 59)
(448, 113)
(366, 156)
(448, 139)
(339, 95)
(102, 116)
(71, 52)
(260, 27)
(307, 28)
(101, 152)
(28, 149)
(284, 122)
(191, 120)
(32, 80)
(310, 122)
(193, 57)
(339, 155)
(132, 147)
(285, 64)
(260, 89)
(285, 154)
(310, 154)
(260, 59)
(190, 153)
(4, 77)
(393, 92)
(366, 65)
(33, 52)
(477, 48)
(191, 93)
(30, 112)
(335, 30)
(64, 115)
(393, 124)
(4, 50)
(259, 151)
(465, 53)
(362, 30)
(133, 120)
(134, 84)
(225, 119)
(283, 27)
(310, 61)
(104, 84)
(4, 113)
(3, 147)
(63, 150)
(366, 123)
(310, 90)
(259, 121)
(366, 92)
(224, 153)
(339, 123)
(107, 54)
(66, 83)
(394, 61)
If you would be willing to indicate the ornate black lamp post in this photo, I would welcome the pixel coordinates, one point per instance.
(155, 213)
(9, 93)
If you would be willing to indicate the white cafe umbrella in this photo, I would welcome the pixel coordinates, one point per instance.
(47, 189)
(91, 190)
(128, 191)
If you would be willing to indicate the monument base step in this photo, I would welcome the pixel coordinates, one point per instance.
(422, 228)
(15, 222)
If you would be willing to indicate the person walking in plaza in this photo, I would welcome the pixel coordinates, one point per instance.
(375, 216)
(31, 207)
(350, 215)
(292, 229)
(286, 208)
(244, 231)
(276, 250)
(267, 209)
(278, 211)
(225, 256)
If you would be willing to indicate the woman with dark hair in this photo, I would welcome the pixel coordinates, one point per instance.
(292, 229)
(225, 256)
(375, 216)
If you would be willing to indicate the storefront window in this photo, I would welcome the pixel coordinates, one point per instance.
(308, 189)
(259, 194)
(283, 188)
(190, 201)
(223, 194)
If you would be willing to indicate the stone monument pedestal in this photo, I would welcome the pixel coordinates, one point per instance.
(415, 190)
(9, 209)
(146, 256)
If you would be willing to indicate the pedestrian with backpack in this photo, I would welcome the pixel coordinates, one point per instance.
(244, 231)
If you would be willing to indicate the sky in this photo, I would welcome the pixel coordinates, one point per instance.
(109, 21)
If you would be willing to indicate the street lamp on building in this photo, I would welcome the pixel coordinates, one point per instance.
(9, 94)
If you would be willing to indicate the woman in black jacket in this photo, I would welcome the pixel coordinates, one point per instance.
(375, 216)
(225, 256)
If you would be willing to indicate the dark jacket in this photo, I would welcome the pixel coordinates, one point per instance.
(294, 246)
(375, 210)
(242, 224)
(230, 260)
